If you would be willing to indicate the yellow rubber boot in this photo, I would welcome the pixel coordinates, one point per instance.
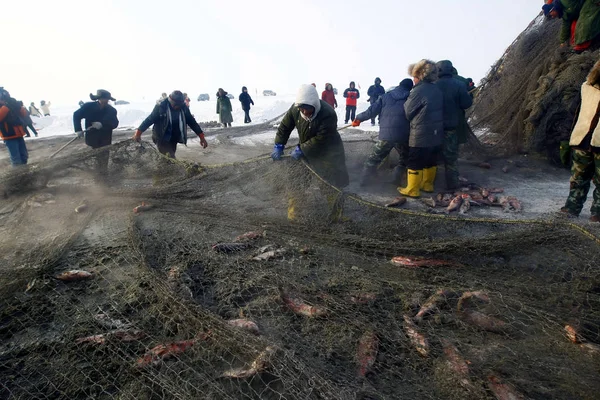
(291, 209)
(413, 188)
(428, 179)
(336, 208)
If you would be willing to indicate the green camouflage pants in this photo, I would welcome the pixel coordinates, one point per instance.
(382, 149)
(585, 168)
(450, 152)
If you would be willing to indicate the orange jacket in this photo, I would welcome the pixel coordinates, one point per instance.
(13, 129)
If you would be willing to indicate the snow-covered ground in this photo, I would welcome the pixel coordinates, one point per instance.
(131, 115)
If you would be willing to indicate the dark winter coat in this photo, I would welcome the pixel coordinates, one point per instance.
(320, 142)
(246, 100)
(374, 92)
(425, 110)
(224, 109)
(587, 15)
(92, 112)
(351, 95)
(162, 125)
(456, 96)
(393, 125)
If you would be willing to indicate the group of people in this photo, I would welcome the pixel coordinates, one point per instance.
(581, 21)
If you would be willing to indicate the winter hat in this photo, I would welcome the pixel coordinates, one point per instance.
(177, 98)
(377, 80)
(244, 88)
(102, 94)
(352, 83)
(424, 70)
(445, 68)
(307, 94)
(406, 84)
(4, 95)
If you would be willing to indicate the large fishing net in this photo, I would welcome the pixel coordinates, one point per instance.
(179, 306)
(530, 97)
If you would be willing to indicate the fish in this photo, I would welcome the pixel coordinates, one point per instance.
(408, 262)
(248, 236)
(239, 373)
(163, 351)
(496, 190)
(429, 201)
(107, 322)
(260, 363)
(416, 338)
(572, 334)
(433, 303)
(397, 202)
(439, 196)
(462, 179)
(515, 204)
(245, 324)
(122, 335)
(81, 208)
(447, 197)
(590, 347)
(465, 205)
(299, 307)
(30, 285)
(467, 296)
(492, 198)
(505, 169)
(363, 298)
(484, 165)
(142, 207)
(74, 275)
(483, 321)
(454, 204)
(503, 391)
(366, 355)
(485, 192)
(174, 273)
(456, 363)
(268, 255)
(230, 247)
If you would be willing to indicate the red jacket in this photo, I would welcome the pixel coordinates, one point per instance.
(10, 128)
(329, 97)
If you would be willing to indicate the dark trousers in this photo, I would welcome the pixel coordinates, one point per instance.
(17, 151)
(585, 169)
(422, 157)
(247, 119)
(167, 148)
(30, 126)
(382, 149)
(350, 113)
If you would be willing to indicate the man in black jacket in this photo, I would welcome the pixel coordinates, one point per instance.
(170, 118)
(100, 120)
(374, 92)
(246, 100)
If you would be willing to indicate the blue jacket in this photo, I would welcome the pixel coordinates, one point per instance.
(393, 125)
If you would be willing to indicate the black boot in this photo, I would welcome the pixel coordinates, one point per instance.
(399, 176)
(368, 175)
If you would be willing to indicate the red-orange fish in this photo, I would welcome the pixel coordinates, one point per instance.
(572, 334)
(503, 391)
(74, 275)
(454, 204)
(483, 321)
(245, 324)
(298, 306)
(410, 262)
(432, 303)
(363, 298)
(122, 335)
(248, 236)
(456, 363)
(162, 351)
(142, 207)
(416, 338)
(261, 363)
(397, 202)
(466, 298)
(485, 165)
(368, 346)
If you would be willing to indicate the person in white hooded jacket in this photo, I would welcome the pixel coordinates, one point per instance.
(45, 108)
(320, 143)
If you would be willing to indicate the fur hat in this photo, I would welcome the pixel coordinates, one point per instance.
(424, 70)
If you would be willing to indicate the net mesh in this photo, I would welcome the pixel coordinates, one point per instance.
(335, 318)
(530, 97)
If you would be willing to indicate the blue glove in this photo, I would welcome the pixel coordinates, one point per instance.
(297, 153)
(277, 152)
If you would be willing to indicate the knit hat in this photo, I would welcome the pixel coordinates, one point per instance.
(406, 84)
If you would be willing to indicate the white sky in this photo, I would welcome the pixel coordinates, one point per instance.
(61, 50)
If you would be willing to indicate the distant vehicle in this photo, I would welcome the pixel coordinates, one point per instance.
(121, 102)
(204, 97)
(230, 96)
(269, 93)
(335, 91)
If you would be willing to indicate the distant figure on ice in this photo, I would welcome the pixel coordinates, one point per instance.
(585, 144)
(100, 120)
(170, 119)
(33, 111)
(28, 123)
(456, 101)
(424, 109)
(45, 108)
(328, 96)
(246, 100)
(81, 103)
(162, 98)
(581, 21)
(393, 132)
(374, 92)
(12, 131)
(351, 95)
(224, 108)
(320, 144)
(186, 100)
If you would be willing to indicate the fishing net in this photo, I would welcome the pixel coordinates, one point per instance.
(530, 97)
(335, 318)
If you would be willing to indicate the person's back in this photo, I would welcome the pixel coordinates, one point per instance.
(425, 111)
(456, 96)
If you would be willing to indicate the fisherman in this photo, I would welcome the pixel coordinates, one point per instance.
(424, 109)
(100, 120)
(28, 123)
(581, 21)
(375, 91)
(162, 98)
(33, 111)
(393, 132)
(224, 108)
(45, 107)
(328, 96)
(351, 95)
(320, 143)
(170, 119)
(12, 130)
(585, 144)
(456, 101)
(246, 100)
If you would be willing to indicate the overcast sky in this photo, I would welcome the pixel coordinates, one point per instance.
(60, 50)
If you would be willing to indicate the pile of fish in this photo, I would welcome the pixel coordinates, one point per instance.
(473, 195)
(247, 241)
